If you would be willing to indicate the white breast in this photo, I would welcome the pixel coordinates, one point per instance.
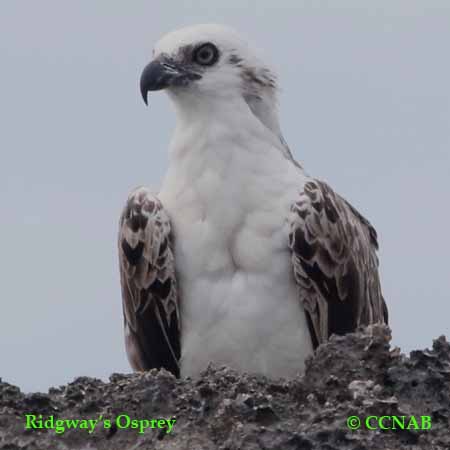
(239, 301)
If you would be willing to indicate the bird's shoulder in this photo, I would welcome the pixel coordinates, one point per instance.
(143, 228)
(318, 212)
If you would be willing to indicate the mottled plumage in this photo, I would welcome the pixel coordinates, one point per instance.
(335, 263)
(149, 286)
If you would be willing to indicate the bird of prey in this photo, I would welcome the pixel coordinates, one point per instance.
(241, 258)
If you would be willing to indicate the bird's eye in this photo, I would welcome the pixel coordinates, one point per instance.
(206, 55)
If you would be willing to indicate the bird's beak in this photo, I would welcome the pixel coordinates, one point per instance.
(161, 74)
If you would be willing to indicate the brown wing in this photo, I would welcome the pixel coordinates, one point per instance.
(149, 287)
(335, 263)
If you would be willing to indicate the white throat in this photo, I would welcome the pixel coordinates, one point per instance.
(204, 122)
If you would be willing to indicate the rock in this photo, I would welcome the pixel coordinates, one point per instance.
(353, 375)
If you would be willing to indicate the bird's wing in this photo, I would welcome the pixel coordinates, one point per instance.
(149, 287)
(335, 263)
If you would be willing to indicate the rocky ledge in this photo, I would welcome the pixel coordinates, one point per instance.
(397, 402)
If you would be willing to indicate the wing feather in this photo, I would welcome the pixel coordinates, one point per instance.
(149, 287)
(335, 263)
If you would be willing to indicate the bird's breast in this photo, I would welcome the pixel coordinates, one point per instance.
(227, 229)
(239, 301)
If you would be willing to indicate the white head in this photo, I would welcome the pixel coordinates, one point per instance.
(212, 62)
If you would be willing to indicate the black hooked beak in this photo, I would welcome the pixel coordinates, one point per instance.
(160, 74)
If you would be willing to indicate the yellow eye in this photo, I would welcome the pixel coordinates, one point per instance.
(206, 54)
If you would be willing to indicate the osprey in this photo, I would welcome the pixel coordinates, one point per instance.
(241, 258)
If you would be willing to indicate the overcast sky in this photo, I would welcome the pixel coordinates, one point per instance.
(365, 106)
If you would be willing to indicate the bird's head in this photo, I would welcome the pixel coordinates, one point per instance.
(208, 61)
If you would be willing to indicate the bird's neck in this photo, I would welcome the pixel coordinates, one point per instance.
(220, 153)
(220, 149)
(218, 122)
(203, 123)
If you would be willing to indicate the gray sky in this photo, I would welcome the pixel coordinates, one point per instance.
(365, 106)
